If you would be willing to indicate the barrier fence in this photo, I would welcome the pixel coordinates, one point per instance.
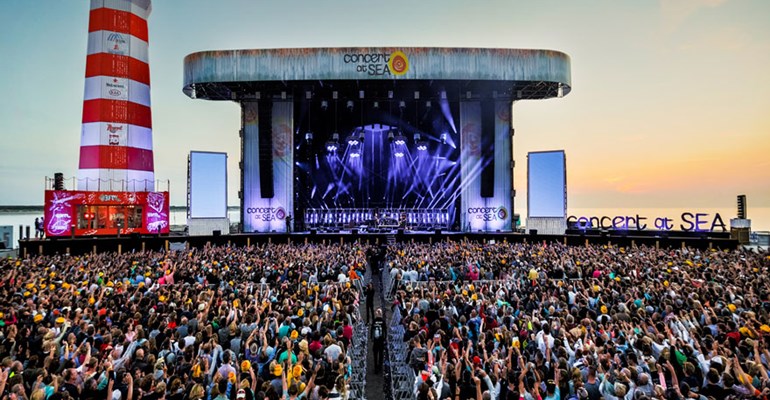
(402, 376)
(358, 349)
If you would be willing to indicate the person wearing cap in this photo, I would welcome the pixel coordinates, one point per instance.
(377, 334)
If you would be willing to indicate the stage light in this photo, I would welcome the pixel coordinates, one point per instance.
(401, 104)
(376, 105)
(399, 140)
(350, 105)
(391, 136)
(324, 105)
(335, 137)
(399, 154)
(331, 147)
(355, 155)
(361, 136)
(417, 137)
(428, 104)
(309, 137)
(443, 138)
(352, 141)
(422, 146)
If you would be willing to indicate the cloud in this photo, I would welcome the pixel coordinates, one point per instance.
(674, 12)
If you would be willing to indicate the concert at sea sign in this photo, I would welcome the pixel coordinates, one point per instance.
(687, 222)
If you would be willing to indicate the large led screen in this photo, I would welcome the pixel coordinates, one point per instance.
(547, 184)
(208, 185)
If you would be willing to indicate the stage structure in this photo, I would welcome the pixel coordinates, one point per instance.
(377, 138)
(207, 193)
(547, 192)
(116, 190)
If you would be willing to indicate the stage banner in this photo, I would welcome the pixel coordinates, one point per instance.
(503, 179)
(109, 212)
(478, 213)
(268, 214)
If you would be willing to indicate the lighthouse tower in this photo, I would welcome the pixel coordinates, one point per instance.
(116, 140)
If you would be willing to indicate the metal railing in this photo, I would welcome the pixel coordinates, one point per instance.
(111, 185)
(402, 375)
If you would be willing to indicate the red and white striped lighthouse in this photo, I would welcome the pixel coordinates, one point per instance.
(116, 140)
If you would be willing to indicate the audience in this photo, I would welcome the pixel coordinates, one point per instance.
(261, 322)
(548, 321)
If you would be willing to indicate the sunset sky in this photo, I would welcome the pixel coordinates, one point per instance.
(670, 105)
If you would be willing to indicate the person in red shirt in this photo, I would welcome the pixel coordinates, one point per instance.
(347, 331)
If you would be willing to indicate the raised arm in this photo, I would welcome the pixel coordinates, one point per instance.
(742, 377)
(758, 361)
(311, 382)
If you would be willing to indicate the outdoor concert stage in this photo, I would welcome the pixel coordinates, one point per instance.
(78, 246)
(340, 138)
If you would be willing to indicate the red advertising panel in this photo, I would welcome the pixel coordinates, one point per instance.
(105, 213)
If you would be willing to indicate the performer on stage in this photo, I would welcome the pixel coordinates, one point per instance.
(402, 220)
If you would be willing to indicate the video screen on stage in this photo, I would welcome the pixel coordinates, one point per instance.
(208, 185)
(547, 184)
(377, 166)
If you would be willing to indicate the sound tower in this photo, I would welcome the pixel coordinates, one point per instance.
(488, 148)
(265, 114)
(58, 181)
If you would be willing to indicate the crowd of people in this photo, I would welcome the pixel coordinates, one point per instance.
(548, 321)
(260, 322)
(482, 321)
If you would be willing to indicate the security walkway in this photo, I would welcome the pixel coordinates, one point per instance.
(376, 384)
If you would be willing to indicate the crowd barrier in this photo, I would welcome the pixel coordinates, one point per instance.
(358, 350)
(402, 376)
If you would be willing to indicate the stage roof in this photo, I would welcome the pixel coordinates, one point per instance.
(509, 73)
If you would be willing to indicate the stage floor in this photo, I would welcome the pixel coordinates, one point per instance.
(84, 245)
